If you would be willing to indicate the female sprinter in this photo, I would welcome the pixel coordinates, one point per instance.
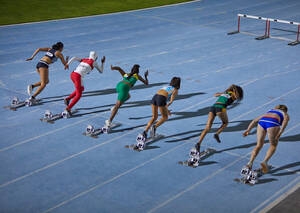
(124, 86)
(159, 101)
(85, 67)
(233, 93)
(268, 123)
(42, 67)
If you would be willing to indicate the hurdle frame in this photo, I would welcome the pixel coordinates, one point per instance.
(267, 27)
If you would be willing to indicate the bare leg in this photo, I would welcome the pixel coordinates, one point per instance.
(210, 120)
(44, 81)
(261, 134)
(153, 119)
(115, 110)
(224, 118)
(164, 116)
(272, 132)
(38, 83)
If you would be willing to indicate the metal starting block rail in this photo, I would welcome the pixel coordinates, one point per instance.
(267, 26)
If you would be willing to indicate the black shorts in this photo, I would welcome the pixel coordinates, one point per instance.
(159, 100)
(214, 110)
(42, 64)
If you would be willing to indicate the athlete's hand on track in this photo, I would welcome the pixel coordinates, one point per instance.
(146, 73)
(66, 66)
(103, 59)
(29, 59)
(111, 67)
(246, 133)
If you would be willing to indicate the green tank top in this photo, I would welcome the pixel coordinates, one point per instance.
(224, 100)
(132, 80)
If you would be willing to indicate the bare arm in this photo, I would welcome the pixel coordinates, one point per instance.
(251, 125)
(218, 94)
(175, 92)
(122, 72)
(36, 52)
(61, 57)
(101, 68)
(284, 124)
(145, 81)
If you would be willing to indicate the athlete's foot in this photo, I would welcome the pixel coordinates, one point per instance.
(216, 136)
(33, 100)
(66, 101)
(197, 147)
(153, 131)
(69, 112)
(108, 123)
(29, 89)
(145, 135)
(264, 167)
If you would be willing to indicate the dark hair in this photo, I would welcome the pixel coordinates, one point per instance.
(175, 82)
(57, 46)
(134, 70)
(282, 107)
(238, 91)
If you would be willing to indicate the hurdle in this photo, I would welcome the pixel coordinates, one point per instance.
(267, 27)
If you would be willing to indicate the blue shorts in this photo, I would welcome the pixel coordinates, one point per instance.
(266, 122)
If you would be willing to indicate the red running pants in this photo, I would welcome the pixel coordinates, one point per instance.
(76, 95)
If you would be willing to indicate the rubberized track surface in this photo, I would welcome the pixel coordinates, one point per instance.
(53, 168)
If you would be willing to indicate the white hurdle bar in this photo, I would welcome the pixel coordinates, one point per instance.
(267, 28)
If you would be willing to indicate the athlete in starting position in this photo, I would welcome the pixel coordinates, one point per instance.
(225, 99)
(268, 123)
(159, 101)
(124, 86)
(42, 67)
(85, 67)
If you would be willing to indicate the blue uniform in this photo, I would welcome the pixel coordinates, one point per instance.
(267, 122)
(50, 54)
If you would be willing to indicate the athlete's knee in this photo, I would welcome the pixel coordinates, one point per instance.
(258, 147)
(165, 117)
(154, 117)
(207, 128)
(225, 123)
(43, 84)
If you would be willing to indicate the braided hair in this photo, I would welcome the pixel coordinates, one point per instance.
(134, 70)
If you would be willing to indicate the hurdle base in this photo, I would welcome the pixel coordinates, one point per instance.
(232, 33)
(294, 43)
(262, 37)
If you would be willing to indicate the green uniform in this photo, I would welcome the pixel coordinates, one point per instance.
(224, 100)
(124, 86)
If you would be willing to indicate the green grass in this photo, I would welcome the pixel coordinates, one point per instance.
(22, 11)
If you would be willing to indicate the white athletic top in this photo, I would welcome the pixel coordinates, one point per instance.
(86, 66)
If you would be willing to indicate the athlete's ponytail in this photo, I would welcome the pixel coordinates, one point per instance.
(59, 45)
(134, 70)
(175, 82)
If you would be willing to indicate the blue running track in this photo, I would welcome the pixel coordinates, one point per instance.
(54, 168)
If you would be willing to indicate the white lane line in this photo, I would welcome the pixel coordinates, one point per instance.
(112, 179)
(267, 208)
(63, 160)
(195, 185)
(45, 134)
(107, 14)
(221, 169)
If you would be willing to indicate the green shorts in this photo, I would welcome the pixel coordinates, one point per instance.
(123, 91)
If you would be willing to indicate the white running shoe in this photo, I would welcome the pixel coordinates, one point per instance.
(108, 123)
(29, 89)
